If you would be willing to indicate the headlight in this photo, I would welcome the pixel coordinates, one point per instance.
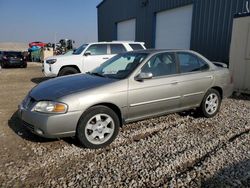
(50, 107)
(51, 61)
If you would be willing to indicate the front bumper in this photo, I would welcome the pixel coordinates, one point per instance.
(47, 70)
(14, 63)
(50, 125)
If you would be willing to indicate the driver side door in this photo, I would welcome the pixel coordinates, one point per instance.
(158, 95)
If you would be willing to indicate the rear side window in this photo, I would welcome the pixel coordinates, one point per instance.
(117, 48)
(191, 63)
(136, 46)
(98, 49)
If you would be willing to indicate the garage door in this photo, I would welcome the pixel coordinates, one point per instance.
(126, 30)
(173, 28)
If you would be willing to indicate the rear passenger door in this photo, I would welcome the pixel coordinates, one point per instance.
(194, 79)
(94, 56)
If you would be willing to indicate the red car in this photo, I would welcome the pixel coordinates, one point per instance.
(41, 44)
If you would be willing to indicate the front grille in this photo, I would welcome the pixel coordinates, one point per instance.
(29, 126)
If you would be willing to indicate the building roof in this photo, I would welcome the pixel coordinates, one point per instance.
(100, 3)
(12, 46)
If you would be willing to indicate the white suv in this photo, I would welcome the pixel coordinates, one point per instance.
(87, 57)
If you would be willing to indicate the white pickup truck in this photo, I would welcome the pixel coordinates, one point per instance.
(87, 57)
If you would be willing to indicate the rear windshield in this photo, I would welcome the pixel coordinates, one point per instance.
(136, 46)
(13, 54)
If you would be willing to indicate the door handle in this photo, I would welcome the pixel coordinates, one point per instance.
(105, 58)
(209, 77)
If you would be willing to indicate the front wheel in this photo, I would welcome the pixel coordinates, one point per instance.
(98, 127)
(211, 103)
(68, 71)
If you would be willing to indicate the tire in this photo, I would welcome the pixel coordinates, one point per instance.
(2, 65)
(68, 71)
(97, 127)
(24, 66)
(211, 102)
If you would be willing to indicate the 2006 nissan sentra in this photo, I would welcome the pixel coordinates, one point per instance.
(129, 87)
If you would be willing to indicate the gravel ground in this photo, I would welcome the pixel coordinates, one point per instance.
(178, 150)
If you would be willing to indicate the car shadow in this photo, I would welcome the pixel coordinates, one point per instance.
(236, 175)
(193, 113)
(39, 80)
(245, 97)
(16, 124)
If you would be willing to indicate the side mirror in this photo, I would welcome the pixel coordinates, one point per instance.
(87, 53)
(144, 76)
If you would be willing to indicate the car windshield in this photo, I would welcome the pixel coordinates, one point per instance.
(120, 66)
(80, 49)
(13, 54)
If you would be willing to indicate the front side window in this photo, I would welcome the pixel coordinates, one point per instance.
(117, 48)
(79, 50)
(98, 49)
(120, 66)
(161, 65)
(191, 63)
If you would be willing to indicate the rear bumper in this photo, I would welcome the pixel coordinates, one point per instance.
(228, 90)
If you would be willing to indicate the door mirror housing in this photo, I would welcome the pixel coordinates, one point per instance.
(144, 76)
(87, 53)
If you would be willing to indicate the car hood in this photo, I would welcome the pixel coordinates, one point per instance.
(59, 57)
(59, 87)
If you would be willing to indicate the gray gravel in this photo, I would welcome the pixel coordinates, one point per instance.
(170, 151)
(174, 150)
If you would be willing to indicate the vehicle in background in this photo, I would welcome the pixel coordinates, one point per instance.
(87, 57)
(40, 44)
(12, 59)
(129, 87)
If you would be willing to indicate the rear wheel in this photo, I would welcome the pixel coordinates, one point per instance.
(67, 71)
(98, 127)
(211, 103)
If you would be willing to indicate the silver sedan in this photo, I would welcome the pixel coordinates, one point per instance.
(129, 87)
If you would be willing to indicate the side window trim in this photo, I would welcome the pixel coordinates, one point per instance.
(108, 49)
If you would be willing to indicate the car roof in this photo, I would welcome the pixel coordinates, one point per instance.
(117, 42)
(153, 51)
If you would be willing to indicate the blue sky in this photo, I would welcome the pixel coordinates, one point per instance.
(34, 20)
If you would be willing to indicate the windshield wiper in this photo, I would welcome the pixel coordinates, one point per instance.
(96, 74)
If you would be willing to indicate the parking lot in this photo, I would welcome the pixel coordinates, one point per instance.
(175, 150)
